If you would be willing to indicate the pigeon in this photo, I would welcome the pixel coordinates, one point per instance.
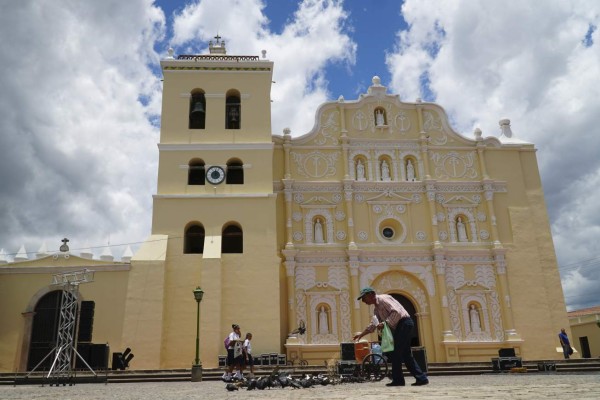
(300, 329)
(295, 384)
(231, 387)
(252, 384)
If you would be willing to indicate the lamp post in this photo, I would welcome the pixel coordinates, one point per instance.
(197, 367)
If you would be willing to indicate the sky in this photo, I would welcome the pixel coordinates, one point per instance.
(81, 92)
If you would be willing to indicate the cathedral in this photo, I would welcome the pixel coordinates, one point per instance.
(282, 231)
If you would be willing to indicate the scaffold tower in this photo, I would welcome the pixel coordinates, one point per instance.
(65, 350)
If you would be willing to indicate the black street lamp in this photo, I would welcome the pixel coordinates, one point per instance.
(197, 367)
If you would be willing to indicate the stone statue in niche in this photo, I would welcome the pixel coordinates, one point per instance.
(385, 171)
(474, 319)
(461, 230)
(318, 231)
(323, 322)
(410, 171)
(360, 171)
(379, 118)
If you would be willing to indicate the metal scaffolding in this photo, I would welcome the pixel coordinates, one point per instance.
(65, 350)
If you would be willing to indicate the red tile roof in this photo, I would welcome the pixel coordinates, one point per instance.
(584, 311)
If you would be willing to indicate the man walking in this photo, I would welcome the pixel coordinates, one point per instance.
(564, 342)
(388, 310)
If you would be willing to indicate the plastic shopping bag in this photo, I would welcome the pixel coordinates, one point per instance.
(387, 339)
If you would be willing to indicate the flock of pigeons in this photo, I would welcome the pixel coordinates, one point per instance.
(284, 379)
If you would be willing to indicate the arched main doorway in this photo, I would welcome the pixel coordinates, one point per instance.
(408, 306)
(44, 329)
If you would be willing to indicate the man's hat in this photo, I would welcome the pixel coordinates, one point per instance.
(364, 291)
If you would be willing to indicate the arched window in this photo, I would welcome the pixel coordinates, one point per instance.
(194, 239)
(197, 109)
(196, 172)
(233, 110)
(235, 172)
(233, 240)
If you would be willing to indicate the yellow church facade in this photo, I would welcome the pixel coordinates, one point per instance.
(282, 231)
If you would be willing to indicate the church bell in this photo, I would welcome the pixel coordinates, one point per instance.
(198, 111)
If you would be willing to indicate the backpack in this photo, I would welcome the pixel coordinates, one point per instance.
(226, 342)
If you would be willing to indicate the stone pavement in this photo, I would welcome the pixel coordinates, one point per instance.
(490, 386)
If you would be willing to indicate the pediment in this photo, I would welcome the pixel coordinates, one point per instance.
(378, 115)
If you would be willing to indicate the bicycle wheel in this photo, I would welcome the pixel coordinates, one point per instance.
(374, 367)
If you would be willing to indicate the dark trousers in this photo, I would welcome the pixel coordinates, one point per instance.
(401, 353)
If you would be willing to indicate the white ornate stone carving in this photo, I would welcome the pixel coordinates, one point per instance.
(455, 276)
(362, 235)
(443, 236)
(441, 217)
(316, 164)
(421, 235)
(337, 197)
(360, 121)
(425, 275)
(485, 235)
(402, 122)
(340, 215)
(481, 217)
(340, 235)
(338, 277)
(306, 277)
(298, 198)
(432, 123)
(454, 165)
(484, 275)
(329, 128)
(298, 236)
(297, 216)
(359, 198)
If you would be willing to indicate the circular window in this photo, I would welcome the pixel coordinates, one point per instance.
(387, 232)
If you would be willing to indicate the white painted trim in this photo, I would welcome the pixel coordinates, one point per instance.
(215, 146)
(50, 269)
(214, 196)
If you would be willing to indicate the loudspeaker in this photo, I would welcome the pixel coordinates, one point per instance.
(86, 321)
(98, 356)
(117, 361)
(420, 356)
(506, 352)
(84, 351)
(347, 351)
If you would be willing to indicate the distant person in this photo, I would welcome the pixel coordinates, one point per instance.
(234, 354)
(390, 311)
(564, 342)
(247, 347)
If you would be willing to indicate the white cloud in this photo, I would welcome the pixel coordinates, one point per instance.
(488, 60)
(78, 153)
(312, 39)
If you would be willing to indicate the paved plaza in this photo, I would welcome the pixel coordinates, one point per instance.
(489, 386)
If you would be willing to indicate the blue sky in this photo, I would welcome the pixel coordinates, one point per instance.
(80, 105)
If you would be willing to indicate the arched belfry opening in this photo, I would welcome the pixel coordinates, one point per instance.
(409, 306)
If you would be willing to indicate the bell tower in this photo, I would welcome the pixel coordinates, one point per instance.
(215, 205)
